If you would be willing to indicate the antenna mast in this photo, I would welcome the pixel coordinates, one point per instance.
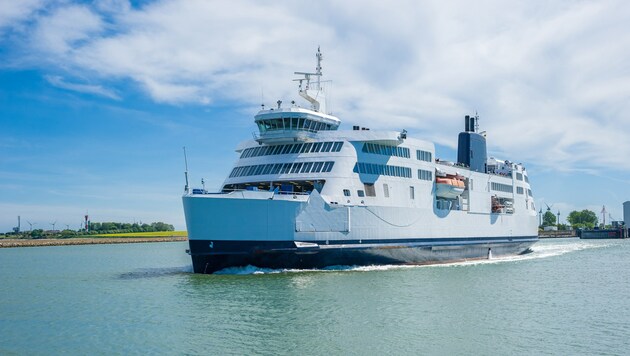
(318, 69)
(186, 171)
(317, 100)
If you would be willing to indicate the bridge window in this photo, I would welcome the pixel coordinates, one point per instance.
(346, 192)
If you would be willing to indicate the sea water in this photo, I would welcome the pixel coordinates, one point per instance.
(567, 297)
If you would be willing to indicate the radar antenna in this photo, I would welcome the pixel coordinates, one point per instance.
(315, 103)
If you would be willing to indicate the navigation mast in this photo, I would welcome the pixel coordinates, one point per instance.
(318, 100)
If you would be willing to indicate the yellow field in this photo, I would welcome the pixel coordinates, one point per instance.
(147, 234)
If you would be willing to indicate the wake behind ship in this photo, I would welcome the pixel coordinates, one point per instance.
(304, 194)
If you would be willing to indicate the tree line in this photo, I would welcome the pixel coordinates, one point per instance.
(95, 228)
(584, 219)
(116, 227)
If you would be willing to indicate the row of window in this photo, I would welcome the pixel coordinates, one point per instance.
(425, 175)
(382, 169)
(311, 147)
(386, 150)
(282, 168)
(371, 192)
(423, 156)
(501, 187)
(293, 123)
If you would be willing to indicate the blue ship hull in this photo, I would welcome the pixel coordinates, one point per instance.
(602, 234)
(211, 256)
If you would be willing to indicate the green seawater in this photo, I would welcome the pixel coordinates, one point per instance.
(568, 297)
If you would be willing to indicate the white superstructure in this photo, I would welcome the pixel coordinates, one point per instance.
(304, 194)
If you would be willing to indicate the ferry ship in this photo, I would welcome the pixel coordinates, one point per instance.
(304, 194)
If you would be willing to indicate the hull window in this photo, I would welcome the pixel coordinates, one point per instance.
(425, 175)
(423, 155)
(501, 187)
(282, 168)
(386, 150)
(380, 169)
(279, 187)
(337, 146)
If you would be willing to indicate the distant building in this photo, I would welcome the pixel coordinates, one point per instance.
(626, 213)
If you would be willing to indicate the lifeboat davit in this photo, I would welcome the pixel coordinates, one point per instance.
(449, 187)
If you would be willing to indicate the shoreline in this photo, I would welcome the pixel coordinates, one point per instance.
(8, 243)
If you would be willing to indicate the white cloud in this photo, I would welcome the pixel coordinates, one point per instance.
(64, 30)
(13, 12)
(549, 80)
(59, 82)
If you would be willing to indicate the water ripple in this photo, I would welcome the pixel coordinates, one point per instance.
(155, 272)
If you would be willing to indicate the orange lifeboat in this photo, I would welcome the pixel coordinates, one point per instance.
(449, 187)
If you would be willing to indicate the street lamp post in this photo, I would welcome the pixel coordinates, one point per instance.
(558, 219)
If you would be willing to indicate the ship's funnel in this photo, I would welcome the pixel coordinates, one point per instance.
(471, 148)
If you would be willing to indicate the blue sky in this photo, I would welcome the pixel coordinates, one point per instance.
(97, 98)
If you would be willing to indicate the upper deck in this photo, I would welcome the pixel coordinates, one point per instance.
(290, 124)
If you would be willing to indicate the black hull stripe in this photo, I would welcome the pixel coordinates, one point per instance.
(316, 257)
(222, 247)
